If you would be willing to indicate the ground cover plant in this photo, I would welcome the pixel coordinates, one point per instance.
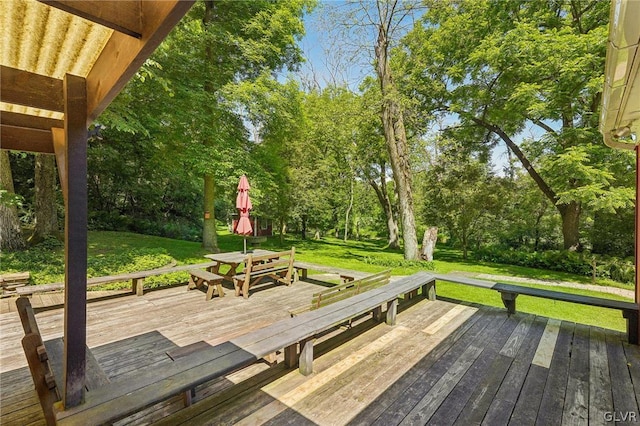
(119, 252)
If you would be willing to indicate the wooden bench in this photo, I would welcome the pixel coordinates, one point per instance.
(137, 279)
(13, 280)
(116, 400)
(510, 292)
(345, 275)
(343, 291)
(199, 277)
(278, 266)
(45, 362)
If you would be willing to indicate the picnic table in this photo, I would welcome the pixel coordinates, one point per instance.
(233, 259)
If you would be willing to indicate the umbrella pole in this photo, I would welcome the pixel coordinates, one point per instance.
(245, 245)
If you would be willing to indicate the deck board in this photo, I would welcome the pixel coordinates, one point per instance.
(443, 363)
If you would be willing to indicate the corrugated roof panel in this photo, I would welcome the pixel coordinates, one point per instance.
(44, 40)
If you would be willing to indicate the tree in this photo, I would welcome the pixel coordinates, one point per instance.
(10, 231)
(376, 28)
(45, 202)
(499, 67)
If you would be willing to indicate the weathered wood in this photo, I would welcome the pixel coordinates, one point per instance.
(27, 317)
(26, 139)
(552, 403)
(624, 400)
(39, 371)
(392, 311)
(29, 89)
(291, 356)
(528, 403)
(95, 377)
(212, 281)
(306, 357)
(31, 121)
(505, 400)
(577, 397)
(75, 329)
(122, 15)
(115, 278)
(600, 398)
(276, 265)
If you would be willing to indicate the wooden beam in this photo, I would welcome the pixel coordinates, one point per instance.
(30, 121)
(122, 56)
(59, 149)
(25, 139)
(636, 338)
(75, 291)
(123, 15)
(30, 89)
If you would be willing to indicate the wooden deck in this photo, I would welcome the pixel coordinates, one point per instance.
(443, 363)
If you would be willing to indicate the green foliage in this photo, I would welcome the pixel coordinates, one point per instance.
(565, 261)
(399, 263)
(45, 261)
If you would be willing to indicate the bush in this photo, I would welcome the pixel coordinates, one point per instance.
(620, 270)
(399, 263)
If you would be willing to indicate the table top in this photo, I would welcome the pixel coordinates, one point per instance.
(235, 256)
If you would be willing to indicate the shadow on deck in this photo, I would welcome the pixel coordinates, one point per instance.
(442, 363)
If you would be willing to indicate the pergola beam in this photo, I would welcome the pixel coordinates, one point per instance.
(30, 89)
(30, 121)
(123, 16)
(25, 139)
(123, 55)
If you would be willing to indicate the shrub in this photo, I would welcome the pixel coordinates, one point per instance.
(561, 260)
(399, 263)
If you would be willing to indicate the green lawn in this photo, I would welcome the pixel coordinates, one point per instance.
(115, 252)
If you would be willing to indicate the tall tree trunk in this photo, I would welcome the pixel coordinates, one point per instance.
(396, 139)
(570, 225)
(10, 231)
(209, 235)
(45, 199)
(346, 219)
(383, 197)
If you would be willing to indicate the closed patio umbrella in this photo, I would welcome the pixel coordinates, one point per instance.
(243, 204)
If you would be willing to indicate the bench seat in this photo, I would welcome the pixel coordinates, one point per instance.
(199, 278)
(120, 399)
(509, 293)
(137, 279)
(278, 266)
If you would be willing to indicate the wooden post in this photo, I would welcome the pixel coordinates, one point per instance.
(509, 301)
(306, 357)
(291, 355)
(75, 289)
(636, 338)
(429, 290)
(392, 310)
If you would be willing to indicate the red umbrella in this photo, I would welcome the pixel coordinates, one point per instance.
(243, 204)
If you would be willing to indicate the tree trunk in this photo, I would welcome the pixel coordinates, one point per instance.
(45, 199)
(209, 235)
(570, 225)
(383, 197)
(346, 219)
(429, 243)
(10, 231)
(396, 139)
(570, 213)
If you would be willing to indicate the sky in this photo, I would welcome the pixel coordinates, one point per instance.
(328, 61)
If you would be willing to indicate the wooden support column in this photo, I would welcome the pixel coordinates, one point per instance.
(636, 329)
(75, 289)
(392, 311)
(306, 357)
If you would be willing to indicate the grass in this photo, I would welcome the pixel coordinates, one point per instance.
(116, 252)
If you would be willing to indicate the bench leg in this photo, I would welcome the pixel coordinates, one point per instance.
(632, 326)
(306, 357)
(509, 301)
(392, 311)
(291, 356)
(377, 314)
(304, 274)
(245, 289)
(187, 397)
(193, 283)
(429, 290)
(137, 286)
